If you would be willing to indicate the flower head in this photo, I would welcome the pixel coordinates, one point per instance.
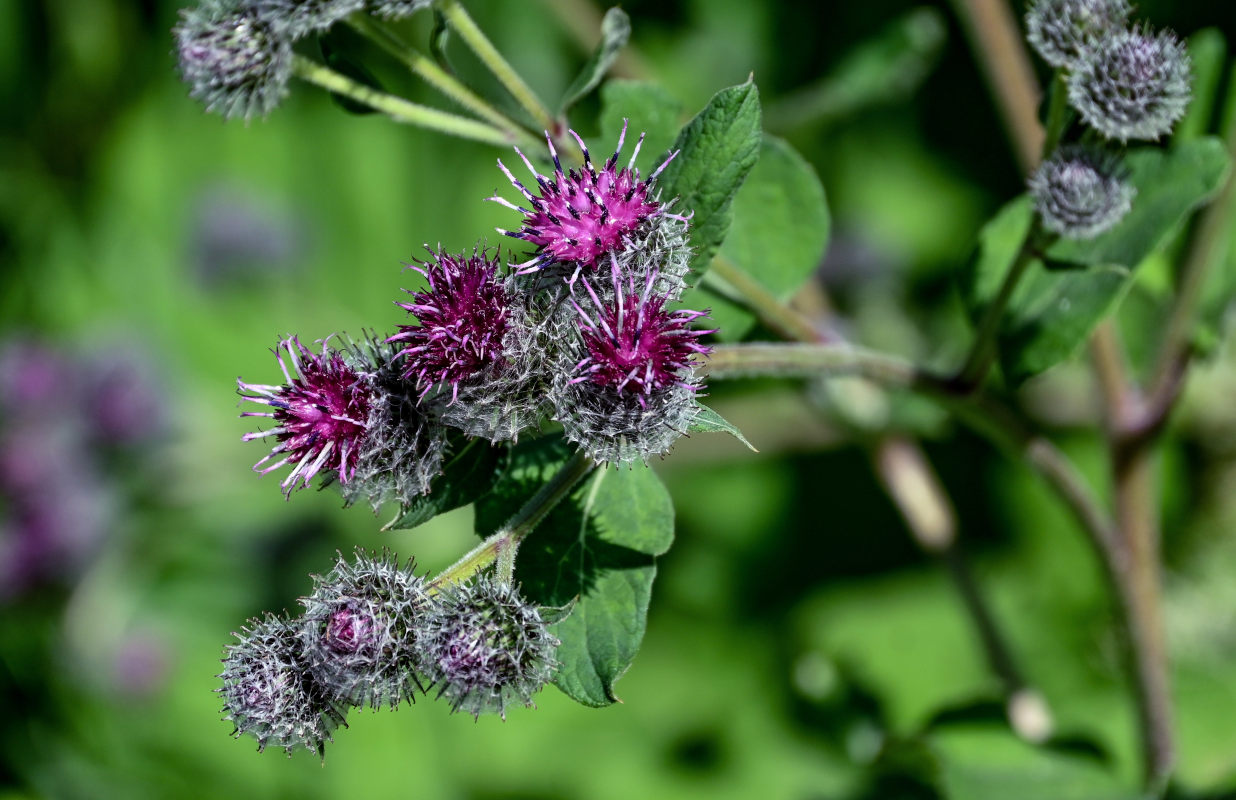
(485, 647)
(1063, 30)
(359, 630)
(582, 215)
(1081, 192)
(268, 693)
(634, 345)
(1132, 84)
(234, 60)
(628, 390)
(320, 413)
(463, 320)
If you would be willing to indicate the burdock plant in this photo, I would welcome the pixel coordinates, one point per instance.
(583, 340)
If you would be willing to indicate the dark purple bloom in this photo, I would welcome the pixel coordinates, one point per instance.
(582, 215)
(463, 319)
(320, 413)
(634, 345)
(348, 629)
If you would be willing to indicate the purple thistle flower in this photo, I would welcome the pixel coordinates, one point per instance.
(582, 215)
(463, 319)
(320, 414)
(634, 345)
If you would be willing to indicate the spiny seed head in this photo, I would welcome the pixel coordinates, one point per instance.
(463, 320)
(626, 390)
(235, 61)
(267, 691)
(1063, 30)
(402, 451)
(1132, 84)
(1081, 192)
(397, 9)
(485, 647)
(581, 215)
(359, 630)
(321, 414)
(509, 394)
(302, 17)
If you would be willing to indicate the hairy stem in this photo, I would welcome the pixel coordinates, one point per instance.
(504, 543)
(397, 108)
(772, 312)
(983, 351)
(425, 67)
(462, 22)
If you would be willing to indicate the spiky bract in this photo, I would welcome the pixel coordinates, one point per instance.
(268, 693)
(1132, 84)
(359, 630)
(507, 395)
(301, 17)
(235, 61)
(581, 215)
(485, 647)
(1063, 30)
(321, 413)
(402, 451)
(1081, 192)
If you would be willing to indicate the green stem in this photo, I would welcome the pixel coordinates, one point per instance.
(475, 38)
(802, 360)
(397, 108)
(983, 352)
(502, 545)
(425, 67)
(774, 313)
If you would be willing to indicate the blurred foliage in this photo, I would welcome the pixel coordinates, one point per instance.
(798, 646)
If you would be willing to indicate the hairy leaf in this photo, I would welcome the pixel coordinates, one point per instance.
(615, 32)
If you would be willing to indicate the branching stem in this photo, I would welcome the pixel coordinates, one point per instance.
(397, 108)
(502, 546)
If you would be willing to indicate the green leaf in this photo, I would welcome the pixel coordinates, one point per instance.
(709, 421)
(615, 32)
(467, 475)
(649, 109)
(1207, 58)
(779, 234)
(599, 545)
(1053, 311)
(716, 150)
(981, 762)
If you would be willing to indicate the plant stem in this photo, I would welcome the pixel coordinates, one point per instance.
(1057, 113)
(976, 410)
(475, 38)
(397, 108)
(983, 352)
(425, 67)
(774, 313)
(503, 544)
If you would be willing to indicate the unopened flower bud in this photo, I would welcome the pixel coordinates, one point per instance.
(1081, 192)
(1132, 85)
(1062, 30)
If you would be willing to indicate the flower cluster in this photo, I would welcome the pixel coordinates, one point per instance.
(583, 332)
(1125, 82)
(236, 55)
(373, 633)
